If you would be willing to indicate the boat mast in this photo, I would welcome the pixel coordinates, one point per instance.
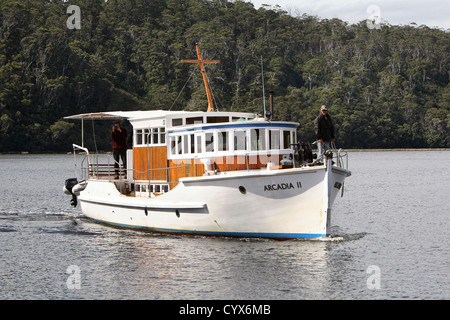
(201, 63)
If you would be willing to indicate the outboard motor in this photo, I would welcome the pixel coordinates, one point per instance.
(68, 186)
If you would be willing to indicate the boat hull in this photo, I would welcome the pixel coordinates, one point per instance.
(278, 204)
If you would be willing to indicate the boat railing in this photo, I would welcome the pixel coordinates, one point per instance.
(108, 169)
(81, 173)
(90, 166)
(340, 156)
(98, 167)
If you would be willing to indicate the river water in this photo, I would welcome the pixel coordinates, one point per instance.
(390, 241)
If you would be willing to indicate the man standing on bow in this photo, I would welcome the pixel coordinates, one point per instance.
(119, 137)
(324, 130)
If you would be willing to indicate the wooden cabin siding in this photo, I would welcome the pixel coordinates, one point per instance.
(157, 156)
(184, 168)
(181, 168)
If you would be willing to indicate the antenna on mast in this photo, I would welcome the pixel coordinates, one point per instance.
(201, 63)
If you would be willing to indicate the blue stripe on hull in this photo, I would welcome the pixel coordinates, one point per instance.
(218, 234)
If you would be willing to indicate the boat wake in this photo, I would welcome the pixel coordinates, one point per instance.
(23, 213)
(354, 236)
(332, 238)
(337, 237)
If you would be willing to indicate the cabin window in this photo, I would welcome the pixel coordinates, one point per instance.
(217, 119)
(155, 136)
(173, 145)
(177, 122)
(223, 141)
(144, 189)
(192, 143)
(162, 135)
(209, 142)
(145, 133)
(186, 143)
(240, 140)
(199, 144)
(274, 139)
(194, 120)
(258, 139)
(151, 136)
(179, 145)
(138, 137)
(287, 141)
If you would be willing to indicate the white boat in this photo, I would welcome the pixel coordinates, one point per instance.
(212, 174)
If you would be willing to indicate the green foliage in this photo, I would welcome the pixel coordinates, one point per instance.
(384, 88)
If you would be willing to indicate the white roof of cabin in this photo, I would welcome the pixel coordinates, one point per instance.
(149, 114)
(122, 114)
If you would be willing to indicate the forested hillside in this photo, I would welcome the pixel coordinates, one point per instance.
(385, 88)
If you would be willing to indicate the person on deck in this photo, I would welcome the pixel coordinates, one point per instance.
(324, 130)
(119, 137)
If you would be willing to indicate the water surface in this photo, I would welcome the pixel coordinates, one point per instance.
(394, 215)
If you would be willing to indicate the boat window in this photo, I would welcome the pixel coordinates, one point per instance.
(155, 136)
(151, 136)
(258, 139)
(287, 139)
(144, 189)
(177, 122)
(179, 145)
(145, 136)
(209, 142)
(199, 144)
(217, 119)
(186, 143)
(162, 135)
(223, 141)
(138, 137)
(194, 120)
(173, 149)
(274, 139)
(240, 140)
(192, 143)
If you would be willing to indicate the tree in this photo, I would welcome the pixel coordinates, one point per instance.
(385, 87)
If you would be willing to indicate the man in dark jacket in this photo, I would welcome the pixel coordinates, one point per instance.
(119, 137)
(324, 131)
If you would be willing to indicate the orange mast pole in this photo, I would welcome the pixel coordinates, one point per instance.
(201, 63)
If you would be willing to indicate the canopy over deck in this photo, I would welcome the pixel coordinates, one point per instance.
(134, 116)
(108, 115)
(113, 115)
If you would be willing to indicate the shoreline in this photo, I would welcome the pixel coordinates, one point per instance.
(397, 149)
(25, 153)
